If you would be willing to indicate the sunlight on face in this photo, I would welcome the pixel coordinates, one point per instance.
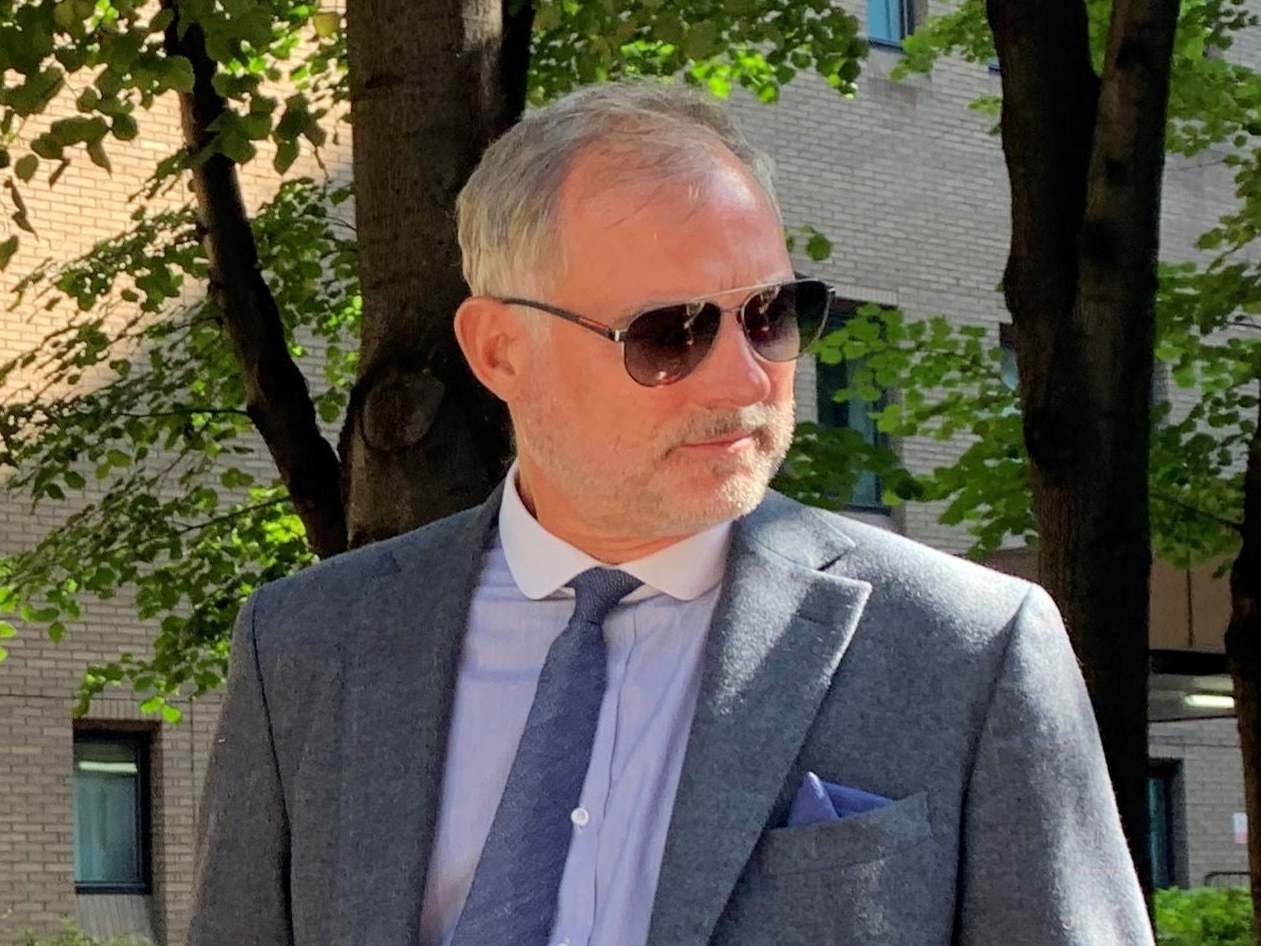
(668, 460)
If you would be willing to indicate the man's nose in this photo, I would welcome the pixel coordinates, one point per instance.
(731, 374)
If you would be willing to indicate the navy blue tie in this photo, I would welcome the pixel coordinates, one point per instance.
(512, 901)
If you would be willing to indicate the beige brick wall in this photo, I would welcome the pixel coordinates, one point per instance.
(904, 179)
(38, 680)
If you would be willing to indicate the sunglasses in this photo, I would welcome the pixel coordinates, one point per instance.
(665, 343)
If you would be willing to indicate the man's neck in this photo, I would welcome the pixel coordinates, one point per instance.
(555, 514)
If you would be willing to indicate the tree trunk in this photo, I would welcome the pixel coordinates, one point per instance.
(1243, 652)
(277, 398)
(440, 79)
(1085, 159)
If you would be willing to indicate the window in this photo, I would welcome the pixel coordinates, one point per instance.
(1162, 776)
(889, 21)
(1007, 359)
(852, 414)
(111, 812)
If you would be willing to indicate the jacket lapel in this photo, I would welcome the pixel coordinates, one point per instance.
(780, 629)
(401, 692)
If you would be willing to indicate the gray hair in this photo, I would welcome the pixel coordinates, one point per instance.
(507, 213)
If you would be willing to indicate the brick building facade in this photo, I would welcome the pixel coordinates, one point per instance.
(910, 187)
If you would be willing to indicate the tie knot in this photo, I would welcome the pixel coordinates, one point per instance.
(598, 589)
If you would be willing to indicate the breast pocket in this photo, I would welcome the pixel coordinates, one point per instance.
(852, 839)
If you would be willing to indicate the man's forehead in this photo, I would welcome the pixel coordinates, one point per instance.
(604, 196)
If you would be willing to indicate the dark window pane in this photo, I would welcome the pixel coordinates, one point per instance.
(107, 806)
(852, 414)
(1160, 816)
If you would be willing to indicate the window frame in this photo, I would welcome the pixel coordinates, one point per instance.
(141, 740)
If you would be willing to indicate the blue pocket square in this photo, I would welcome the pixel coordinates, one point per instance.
(817, 800)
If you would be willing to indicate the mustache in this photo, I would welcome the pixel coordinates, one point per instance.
(715, 425)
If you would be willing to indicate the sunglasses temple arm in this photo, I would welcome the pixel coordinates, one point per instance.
(591, 325)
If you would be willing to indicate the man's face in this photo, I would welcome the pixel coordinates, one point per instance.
(668, 460)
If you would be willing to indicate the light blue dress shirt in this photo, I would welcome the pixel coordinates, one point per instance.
(655, 641)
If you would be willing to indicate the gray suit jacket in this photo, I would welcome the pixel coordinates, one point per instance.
(835, 647)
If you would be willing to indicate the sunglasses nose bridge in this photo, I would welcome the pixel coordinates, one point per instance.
(741, 328)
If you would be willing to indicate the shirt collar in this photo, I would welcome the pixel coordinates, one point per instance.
(542, 564)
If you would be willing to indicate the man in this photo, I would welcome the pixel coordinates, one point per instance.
(635, 697)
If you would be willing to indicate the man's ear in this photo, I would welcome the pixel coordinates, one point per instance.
(494, 345)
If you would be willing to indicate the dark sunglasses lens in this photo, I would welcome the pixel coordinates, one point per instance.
(663, 345)
(783, 321)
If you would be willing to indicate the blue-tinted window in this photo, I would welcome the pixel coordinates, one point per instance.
(853, 414)
(889, 21)
(110, 788)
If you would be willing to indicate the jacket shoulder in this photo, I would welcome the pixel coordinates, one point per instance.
(335, 581)
(928, 588)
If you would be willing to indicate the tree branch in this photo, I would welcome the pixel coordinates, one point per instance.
(235, 514)
(1243, 653)
(1196, 511)
(277, 397)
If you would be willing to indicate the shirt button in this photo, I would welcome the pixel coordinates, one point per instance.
(580, 816)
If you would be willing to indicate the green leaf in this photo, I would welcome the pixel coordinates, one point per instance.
(7, 249)
(286, 154)
(177, 74)
(36, 92)
(46, 147)
(256, 126)
(818, 247)
(89, 100)
(7, 630)
(152, 704)
(124, 127)
(96, 151)
(161, 20)
(233, 478)
(171, 714)
(79, 129)
(328, 410)
(64, 15)
(237, 147)
(326, 23)
(701, 40)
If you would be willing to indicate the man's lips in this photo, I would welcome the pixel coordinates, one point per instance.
(726, 440)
